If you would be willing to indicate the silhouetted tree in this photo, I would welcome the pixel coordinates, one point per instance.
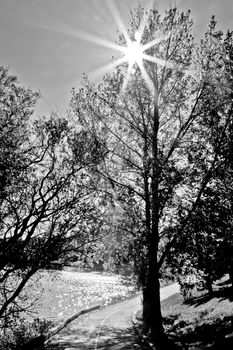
(150, 135)
(49, 208)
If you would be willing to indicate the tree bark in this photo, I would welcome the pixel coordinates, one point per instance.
(209, 285)
(231, 276)
(152, 317)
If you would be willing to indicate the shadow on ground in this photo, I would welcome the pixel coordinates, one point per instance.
(108, 338)
(198, 327)
(217, 336)
(212, 333)
(222, 290)
(115, 338)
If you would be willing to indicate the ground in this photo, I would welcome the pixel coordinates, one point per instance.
(202, 322)
(109, 328)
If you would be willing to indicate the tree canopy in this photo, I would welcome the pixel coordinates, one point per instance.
(145, 155)
(49, 206)
(160, 157)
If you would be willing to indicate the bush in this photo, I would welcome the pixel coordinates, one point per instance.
(21, 332)
(189, 285)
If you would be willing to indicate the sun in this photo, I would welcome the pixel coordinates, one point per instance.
(134, 52)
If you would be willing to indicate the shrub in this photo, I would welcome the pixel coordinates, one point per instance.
(21, 332)
(189, 284)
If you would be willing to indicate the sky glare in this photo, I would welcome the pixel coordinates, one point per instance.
(49, 44)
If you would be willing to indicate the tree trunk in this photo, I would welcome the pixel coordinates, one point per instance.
(209, 285)
(152, 317)
(231, 276)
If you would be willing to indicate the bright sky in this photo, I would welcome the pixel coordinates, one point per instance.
(47, 43)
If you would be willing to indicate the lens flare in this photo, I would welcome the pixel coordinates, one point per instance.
(133, 53)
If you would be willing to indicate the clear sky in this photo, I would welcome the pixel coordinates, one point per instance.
(47, 43)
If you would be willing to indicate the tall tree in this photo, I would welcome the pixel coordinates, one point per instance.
(148, 128)
(48, 203)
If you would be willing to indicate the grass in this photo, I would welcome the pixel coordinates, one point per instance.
(204, 322)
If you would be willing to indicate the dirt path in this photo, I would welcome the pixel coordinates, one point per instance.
(108, 328)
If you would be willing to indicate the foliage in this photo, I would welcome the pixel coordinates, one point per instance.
(21, 332)
(16, 107)
(208, 236)
(159, 157)
(124, 123)
(48, 203)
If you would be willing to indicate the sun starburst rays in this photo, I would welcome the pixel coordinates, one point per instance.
(134, 54)
(134, 51)
(157, 60)
(146, 76)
